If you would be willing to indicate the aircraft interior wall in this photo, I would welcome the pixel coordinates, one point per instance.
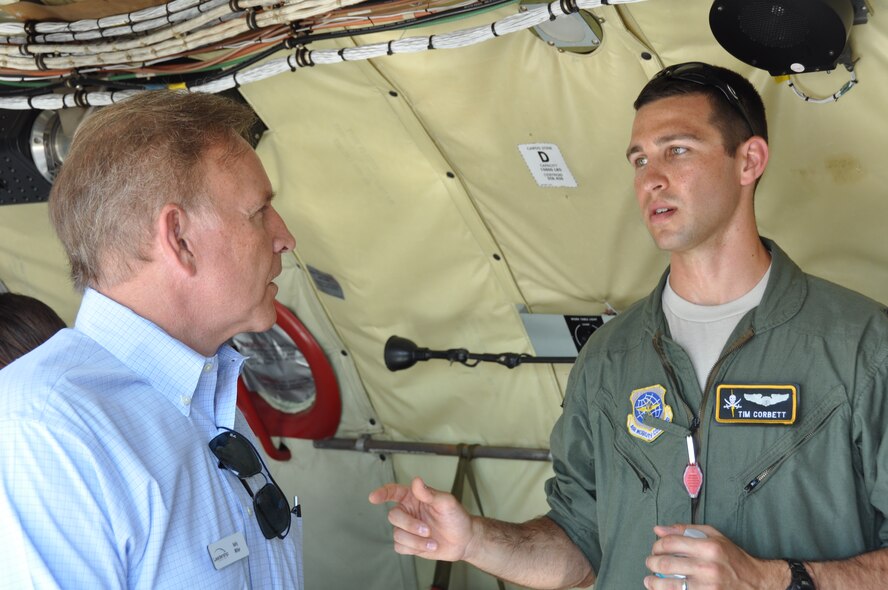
(415, 214)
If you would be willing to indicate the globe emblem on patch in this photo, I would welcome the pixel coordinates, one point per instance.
(648, 402)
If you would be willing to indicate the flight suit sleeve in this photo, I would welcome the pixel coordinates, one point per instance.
(571, 492)
(871, 428)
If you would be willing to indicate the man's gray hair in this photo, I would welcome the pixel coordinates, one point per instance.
(126, 162)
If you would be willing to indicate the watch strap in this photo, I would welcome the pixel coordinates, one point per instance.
(800, 578)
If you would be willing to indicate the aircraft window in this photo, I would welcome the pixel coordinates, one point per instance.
(288, 387)
(276, 369)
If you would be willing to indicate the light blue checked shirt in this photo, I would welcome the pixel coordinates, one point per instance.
(107, 480)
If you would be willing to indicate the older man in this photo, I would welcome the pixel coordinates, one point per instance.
(124, 461)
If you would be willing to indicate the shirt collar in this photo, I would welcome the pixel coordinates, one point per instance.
(168, 365)
(783, 297)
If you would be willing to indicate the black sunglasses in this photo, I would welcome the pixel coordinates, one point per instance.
(238, 455)
(705, 75)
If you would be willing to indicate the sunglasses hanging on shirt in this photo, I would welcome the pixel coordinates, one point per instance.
(238, 455)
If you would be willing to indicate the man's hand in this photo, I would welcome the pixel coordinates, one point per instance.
(434, 525)
(713, 563)
(428, 523)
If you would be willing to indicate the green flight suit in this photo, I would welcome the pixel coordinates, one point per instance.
(815, 489)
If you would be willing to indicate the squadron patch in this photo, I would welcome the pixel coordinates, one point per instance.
(756, 404)
(647, 401)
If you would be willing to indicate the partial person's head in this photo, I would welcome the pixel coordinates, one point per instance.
(737, 109)
(164, 187)
(698, 147)
(25, 324)
(126, 162)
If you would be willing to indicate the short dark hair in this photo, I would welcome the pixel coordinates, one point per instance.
(737, 109)
(25, 324)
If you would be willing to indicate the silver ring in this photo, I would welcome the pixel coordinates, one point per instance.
(684, 585)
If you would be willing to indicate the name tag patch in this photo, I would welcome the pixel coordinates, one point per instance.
(226, 551)
(757, 404)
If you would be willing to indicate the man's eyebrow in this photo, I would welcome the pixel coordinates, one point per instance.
(677, 137)
(255, 208)
(664, 140)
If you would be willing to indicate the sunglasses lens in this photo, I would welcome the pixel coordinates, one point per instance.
(272, 511)
(236, 454)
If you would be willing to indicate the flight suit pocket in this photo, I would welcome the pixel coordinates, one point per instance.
(635, 467)
(632, 484)
(795, 438)
(798, 481)
(627, 516)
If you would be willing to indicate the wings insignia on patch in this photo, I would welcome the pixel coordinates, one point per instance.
(756, 403)
(766, 400)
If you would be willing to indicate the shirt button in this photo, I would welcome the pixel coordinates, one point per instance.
(249, 512)
(186, 401)
(208, 367)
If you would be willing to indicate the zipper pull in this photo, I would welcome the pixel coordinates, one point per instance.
(757, 479)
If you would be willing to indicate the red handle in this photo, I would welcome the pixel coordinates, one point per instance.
(318, 421)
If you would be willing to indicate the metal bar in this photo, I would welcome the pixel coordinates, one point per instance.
(369, 445)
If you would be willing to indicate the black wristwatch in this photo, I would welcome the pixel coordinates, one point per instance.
(801, 579)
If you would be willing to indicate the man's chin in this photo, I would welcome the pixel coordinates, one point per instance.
(269, 320)
(667, 242)
(264, 318)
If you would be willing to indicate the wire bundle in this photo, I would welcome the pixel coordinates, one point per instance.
(215, 45)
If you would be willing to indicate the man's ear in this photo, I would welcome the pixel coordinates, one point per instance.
(174, 238)
(754, 154)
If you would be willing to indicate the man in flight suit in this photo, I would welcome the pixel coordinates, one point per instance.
(742, 399)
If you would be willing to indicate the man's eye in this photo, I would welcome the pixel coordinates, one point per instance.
(678, 150)
(639, 161)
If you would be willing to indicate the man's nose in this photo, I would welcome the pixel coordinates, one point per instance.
(283, 239)
(652, 178)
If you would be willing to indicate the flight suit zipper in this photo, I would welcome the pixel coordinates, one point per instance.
(696, 421)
